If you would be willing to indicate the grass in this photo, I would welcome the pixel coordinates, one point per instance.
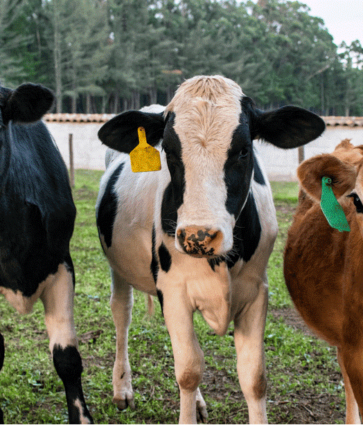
(299, 367)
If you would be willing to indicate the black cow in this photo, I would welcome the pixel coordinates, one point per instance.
(37, 216)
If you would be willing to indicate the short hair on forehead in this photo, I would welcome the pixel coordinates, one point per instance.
(207, 111)
(216, 89)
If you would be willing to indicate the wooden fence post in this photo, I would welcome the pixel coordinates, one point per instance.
(71, 160)
(301, 151)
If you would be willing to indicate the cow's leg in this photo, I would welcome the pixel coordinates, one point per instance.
(351, 355)
(352, 411)
(202, 413)
(248, 335)
(57, 298)
(2, 356)
(188, 357)
(121, 306)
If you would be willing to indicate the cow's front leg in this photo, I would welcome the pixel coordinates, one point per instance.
(202, 413)
(188, 357)
(121, 306)
(248, 336)
(57, 298)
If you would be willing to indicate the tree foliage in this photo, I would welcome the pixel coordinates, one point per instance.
(110, 55)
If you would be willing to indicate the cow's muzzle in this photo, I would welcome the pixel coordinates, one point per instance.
(200, 242)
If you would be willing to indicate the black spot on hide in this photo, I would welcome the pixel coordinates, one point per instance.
(108, 207)
(154, 266)
(161, 300)
(174, 192)
(165, 258)
(246, 236)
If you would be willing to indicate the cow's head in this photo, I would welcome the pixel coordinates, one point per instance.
(344, 166)
(26, 104)
(207, 132)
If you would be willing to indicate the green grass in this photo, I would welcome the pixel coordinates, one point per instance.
(33, 393)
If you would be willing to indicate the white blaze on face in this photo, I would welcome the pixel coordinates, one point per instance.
(207, 112)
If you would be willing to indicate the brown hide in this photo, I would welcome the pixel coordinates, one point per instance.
(323, 267)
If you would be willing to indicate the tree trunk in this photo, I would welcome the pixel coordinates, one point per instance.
(322, 95)
(116, 103)
(153, 95)
(136, 99)
(88, 104)
(169, 94)
(74, 104)
(57, 58)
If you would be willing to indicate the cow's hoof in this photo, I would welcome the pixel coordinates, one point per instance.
(124, 403)
(202, 414)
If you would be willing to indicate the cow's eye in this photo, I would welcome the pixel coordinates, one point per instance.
(244, 153)
(357, 202)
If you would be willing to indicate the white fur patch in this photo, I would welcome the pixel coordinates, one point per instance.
(83, 419)
(207, 112)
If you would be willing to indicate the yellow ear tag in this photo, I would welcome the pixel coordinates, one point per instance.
(144, 157)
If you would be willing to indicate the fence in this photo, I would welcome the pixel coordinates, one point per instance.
(89, 153)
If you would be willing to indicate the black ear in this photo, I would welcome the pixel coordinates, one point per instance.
(120, 133)
(287, 127)
(28, 103)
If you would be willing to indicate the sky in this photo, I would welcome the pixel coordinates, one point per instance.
(343, 18)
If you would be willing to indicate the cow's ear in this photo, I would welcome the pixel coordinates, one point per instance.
(28, 103)
(287, 127)
(120, 133)
(311, 172)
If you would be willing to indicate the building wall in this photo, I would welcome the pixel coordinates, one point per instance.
(89, 153)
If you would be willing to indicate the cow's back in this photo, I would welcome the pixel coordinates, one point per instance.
(37, 211)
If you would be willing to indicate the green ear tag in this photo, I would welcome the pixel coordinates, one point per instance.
(331, 208)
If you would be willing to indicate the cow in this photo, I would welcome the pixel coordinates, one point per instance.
(37, 217)
(199, 232)
(323, 266)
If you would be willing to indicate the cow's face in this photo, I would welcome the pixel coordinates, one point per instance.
(208, 147)
(207, 132)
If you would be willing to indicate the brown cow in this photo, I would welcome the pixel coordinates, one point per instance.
(324, 267)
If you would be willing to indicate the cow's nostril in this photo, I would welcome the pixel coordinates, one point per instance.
(200, 242)
(181, 235)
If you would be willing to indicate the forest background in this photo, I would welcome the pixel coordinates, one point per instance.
(105, 56)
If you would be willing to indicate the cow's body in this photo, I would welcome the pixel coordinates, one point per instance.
(212, 201)
(37, 219)
(323, 267)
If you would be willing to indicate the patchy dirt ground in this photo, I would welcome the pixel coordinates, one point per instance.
(312, 407)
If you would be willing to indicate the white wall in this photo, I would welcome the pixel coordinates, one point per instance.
(89, 153)
(282, 164)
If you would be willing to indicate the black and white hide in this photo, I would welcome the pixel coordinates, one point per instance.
(199, 232)
(37, 216)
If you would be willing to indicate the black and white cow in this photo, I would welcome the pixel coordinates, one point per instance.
(199, 232)
(37, 216)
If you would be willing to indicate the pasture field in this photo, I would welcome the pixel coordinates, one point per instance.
(304, 382)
